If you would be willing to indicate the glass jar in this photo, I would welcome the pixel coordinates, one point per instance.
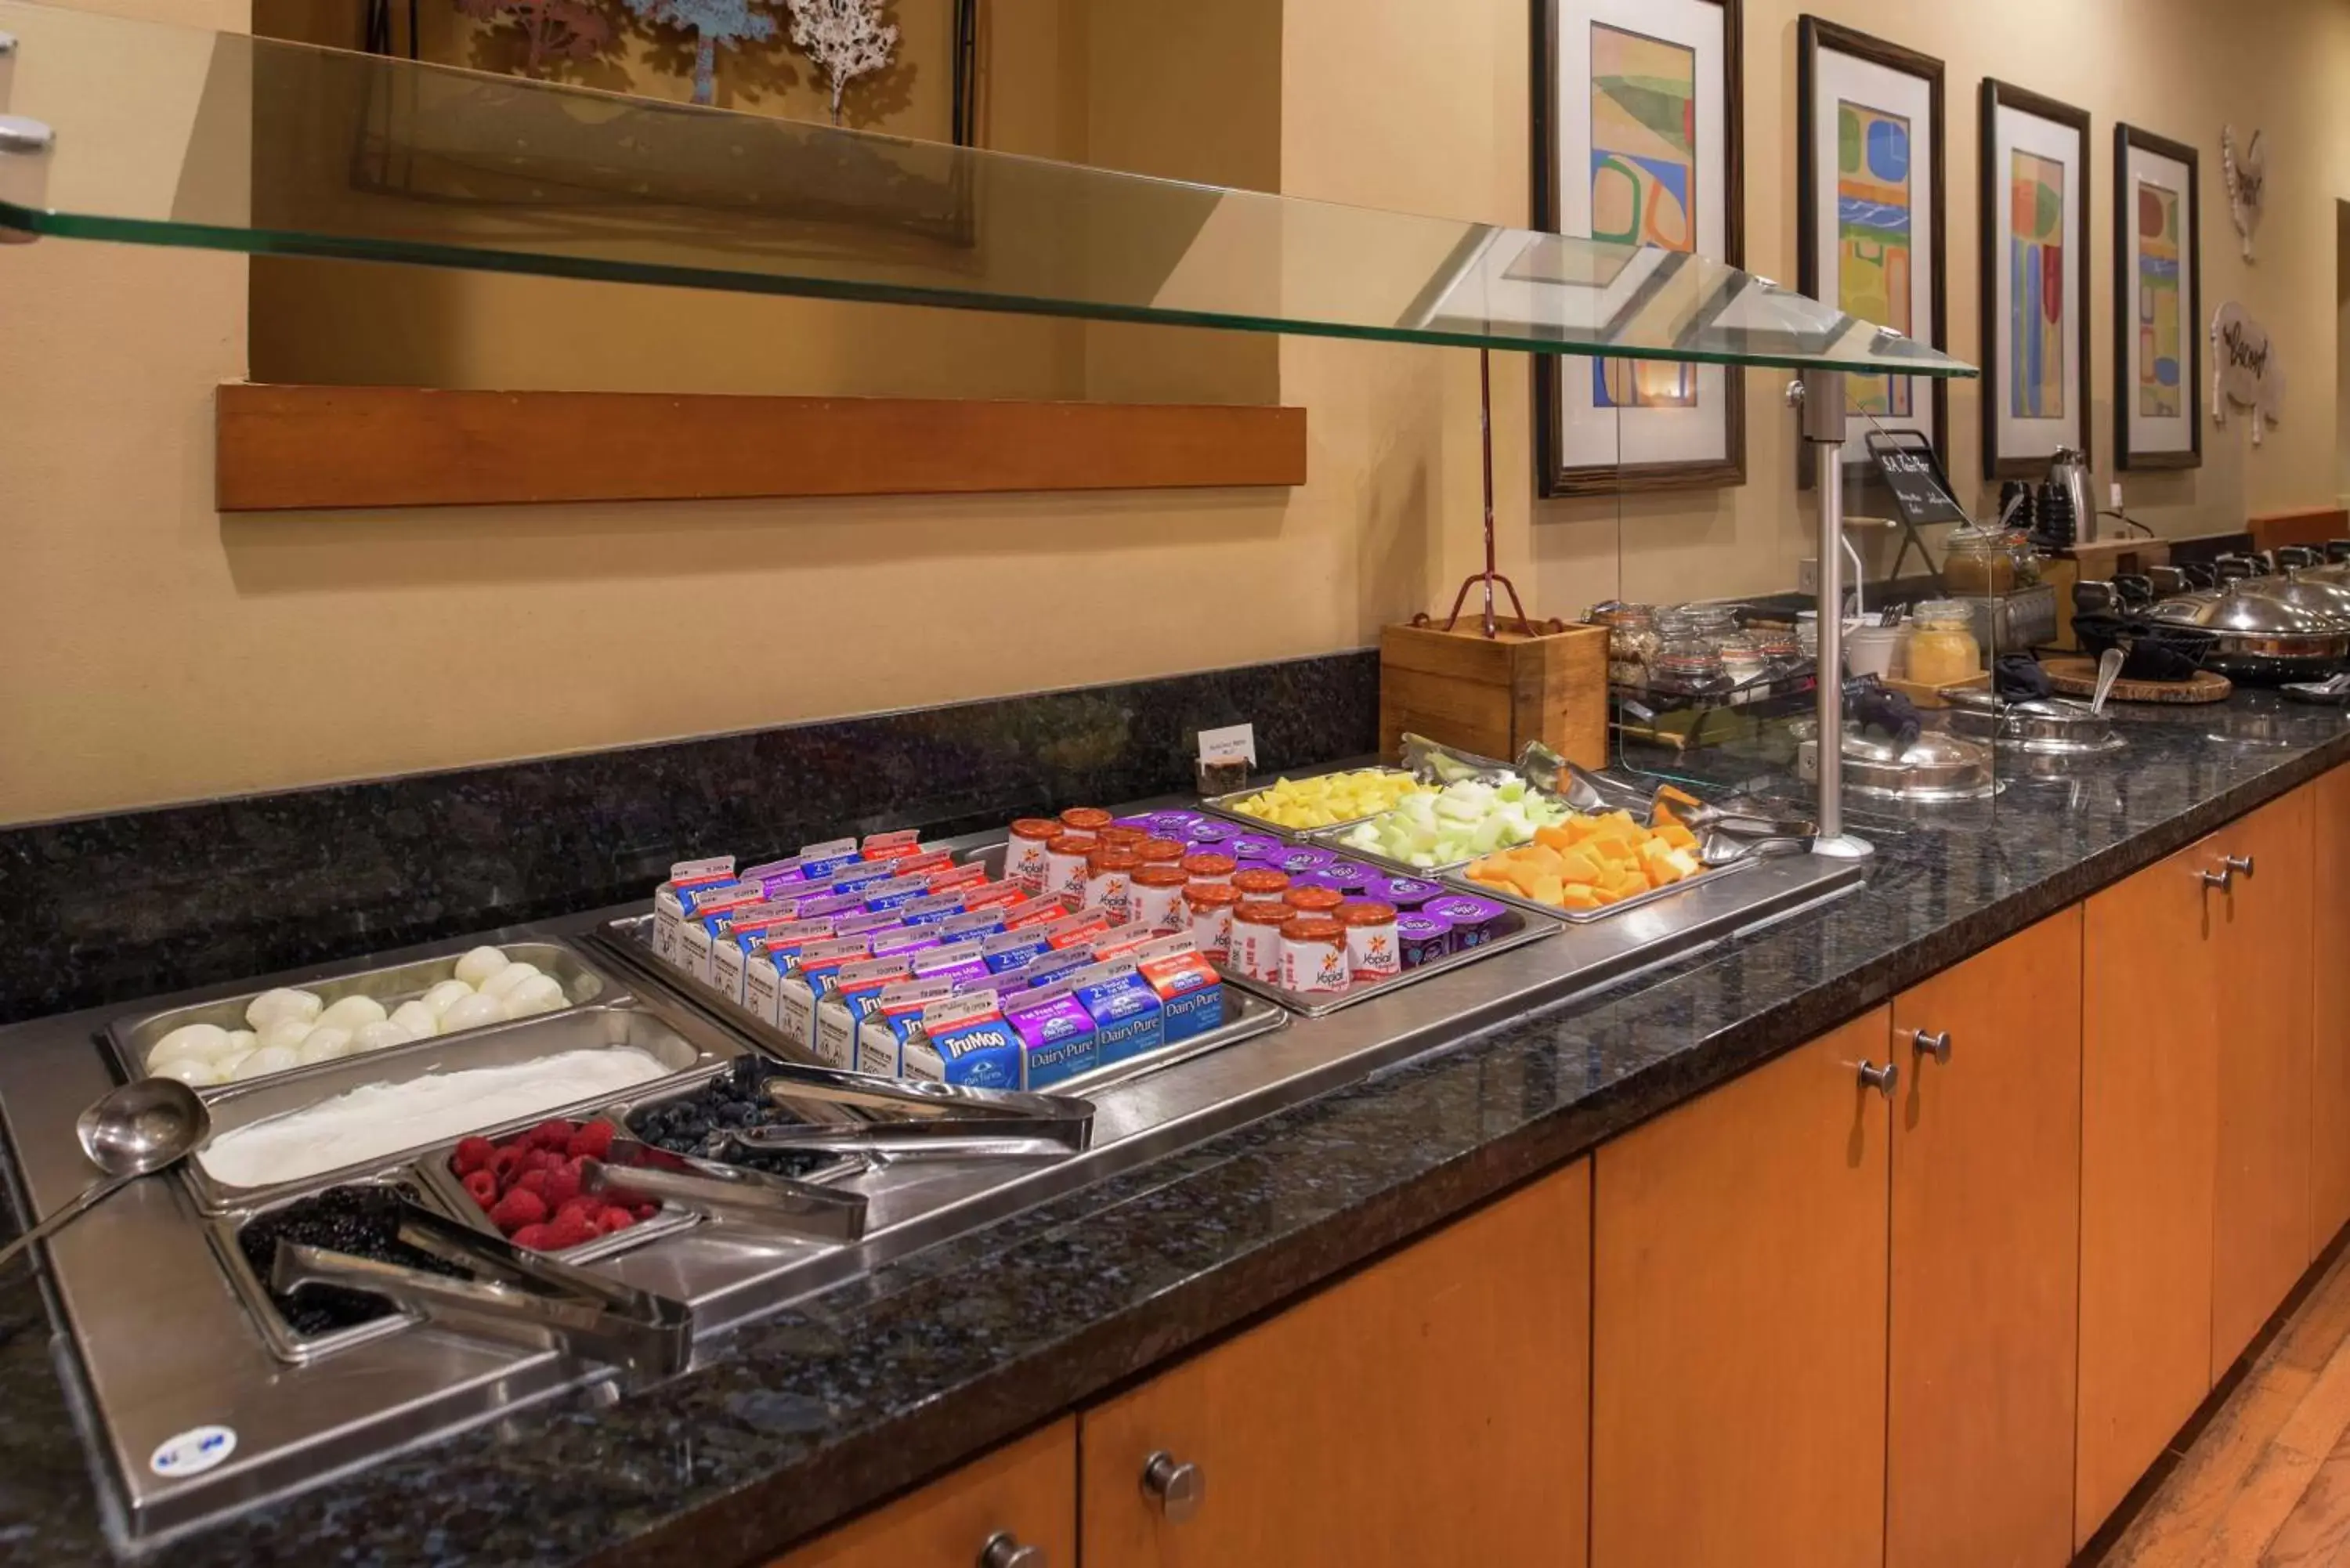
(1631, 641)
(1942, 648)
(1704, 623)
(1743, 666)
(1981, 561)
(1687, 666)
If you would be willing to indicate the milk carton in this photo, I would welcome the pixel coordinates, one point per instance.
(977, 923)
(670, 901)
(1055, 1034)
(819, 861)
(959, 963)
(895, 1017)
(842, 1009)
(1014, 950)
(1125, 1010)
(810, 974)
(1191, 995)
(730, 952)
(770, 954)
(966, 1041)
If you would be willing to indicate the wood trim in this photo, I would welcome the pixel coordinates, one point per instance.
(1813, 34)
(2125, 315)
(1998, 95)
(1554, 479)
(299, 447)
(2311, 525)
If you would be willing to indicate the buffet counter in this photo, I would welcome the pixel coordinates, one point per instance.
(1459, 1163)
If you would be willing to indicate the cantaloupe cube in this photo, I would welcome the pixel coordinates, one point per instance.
(1578, 866)
(1573, 897)
(1676, 836)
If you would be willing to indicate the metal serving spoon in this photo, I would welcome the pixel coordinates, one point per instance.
(146, 1125)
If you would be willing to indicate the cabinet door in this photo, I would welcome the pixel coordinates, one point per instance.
(1432, 1408)
(2260, 1229)
(2329, 1101)
(1738, 1320)
(2149, 1153)
(1986, 1258)
(1026, 1490)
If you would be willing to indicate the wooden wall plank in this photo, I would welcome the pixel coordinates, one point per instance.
(299, 447)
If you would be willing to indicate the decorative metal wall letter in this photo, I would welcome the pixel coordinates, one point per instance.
(2245, 369)
(2247, 170)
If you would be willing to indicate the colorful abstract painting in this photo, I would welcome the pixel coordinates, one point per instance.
(1873, 245)
(2035, 311)
(1643, 184)
(2162, 331)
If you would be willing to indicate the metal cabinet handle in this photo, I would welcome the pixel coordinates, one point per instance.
(1938, 1046)
(1003, 1550)
(2238, 865)
(1178, 1487)
(2223, 879)
(1884, 1080)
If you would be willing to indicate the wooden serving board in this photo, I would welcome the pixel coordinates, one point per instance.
(2078, 677)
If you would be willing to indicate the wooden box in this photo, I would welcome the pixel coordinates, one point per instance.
(1492, 696)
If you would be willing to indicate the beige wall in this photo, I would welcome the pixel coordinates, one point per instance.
(157, 652)
(2179, 68)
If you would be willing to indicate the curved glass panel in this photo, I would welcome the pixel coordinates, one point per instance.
(177, 137)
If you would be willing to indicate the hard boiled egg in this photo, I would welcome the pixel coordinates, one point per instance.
(446, 995)
(284, 1034)
(506, 979)
(189, 1043)
(540, 994)
(473, 1012)
(283, 1002)
(353, 1012)
(378, 1036)
(417, 1018)
(268, 1060)
(327, 1043)
(193, 1071)
(480, 964)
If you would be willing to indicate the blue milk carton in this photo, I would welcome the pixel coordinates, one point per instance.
(964, 1040)
(895, 1017)
(1125, 1010)
(1055, 1034)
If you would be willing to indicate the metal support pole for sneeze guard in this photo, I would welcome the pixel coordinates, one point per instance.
(1818, 400)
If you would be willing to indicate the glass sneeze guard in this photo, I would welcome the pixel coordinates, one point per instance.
(174, 136)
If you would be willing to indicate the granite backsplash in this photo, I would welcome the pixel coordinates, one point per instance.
(106, 908)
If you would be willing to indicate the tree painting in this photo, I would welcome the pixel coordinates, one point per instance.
(712, 23)
(845, 38)
(551, 29)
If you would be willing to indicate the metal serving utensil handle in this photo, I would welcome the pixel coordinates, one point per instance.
(784, 1083)
(921, 1141)
(799, 1209)
(73, 1207)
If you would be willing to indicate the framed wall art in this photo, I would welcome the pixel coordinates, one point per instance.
(1637, 141)
(1868, 211)
(2035, 268)
(2157, 303)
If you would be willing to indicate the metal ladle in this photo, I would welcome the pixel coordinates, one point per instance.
(146, 1125)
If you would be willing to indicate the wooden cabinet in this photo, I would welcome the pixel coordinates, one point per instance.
(1432, 1408)
(2329, 1100)
(1985, 1257)
(1027, 1490)
(1738, 1320)
(2149, 1133)
(2261, 1218)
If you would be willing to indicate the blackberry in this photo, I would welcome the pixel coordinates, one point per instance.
(363, 1220)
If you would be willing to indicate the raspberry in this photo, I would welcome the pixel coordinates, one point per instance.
(517, 1208)
(613, 1220)
(647, 1211)
(503, 1164)
(533, 1237)
(565, 1234)
(561, 1184)
(583, 1209)
(482, 1186)
(474, 1154)
(534, 1181)
(593, 1141)
(552, 1133)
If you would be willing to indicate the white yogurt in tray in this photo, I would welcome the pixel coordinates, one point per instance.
(375, 1121)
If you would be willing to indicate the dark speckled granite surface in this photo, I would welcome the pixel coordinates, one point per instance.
(835, 1404)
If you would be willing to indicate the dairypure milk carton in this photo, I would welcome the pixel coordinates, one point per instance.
(960, 964)
(685, 877)
(819, 861)
(1010, 952)
(1055, 1034)
(802, 984)
(895, 1017)
(1125, 1010)
(977, 923)
(1191, 994)
(963, 1040)
(929, 909)
(770, 953)
(844, 1006)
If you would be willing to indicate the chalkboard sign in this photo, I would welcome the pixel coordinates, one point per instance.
(1906, 461)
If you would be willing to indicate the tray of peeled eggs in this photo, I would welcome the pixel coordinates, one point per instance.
(217, 1045)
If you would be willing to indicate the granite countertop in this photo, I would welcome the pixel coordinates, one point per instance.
(810, 1415)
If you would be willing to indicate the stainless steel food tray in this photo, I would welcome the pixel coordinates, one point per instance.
(128, 1039)
(1225, 806)
(620, 1114)
(284, 1343)
(1462, 884)
(524, 1040)
(629, 939)
(1534, 924)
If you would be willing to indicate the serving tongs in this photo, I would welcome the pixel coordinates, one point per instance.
(1596, 795)
(805, 1211)
(510, 1294)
